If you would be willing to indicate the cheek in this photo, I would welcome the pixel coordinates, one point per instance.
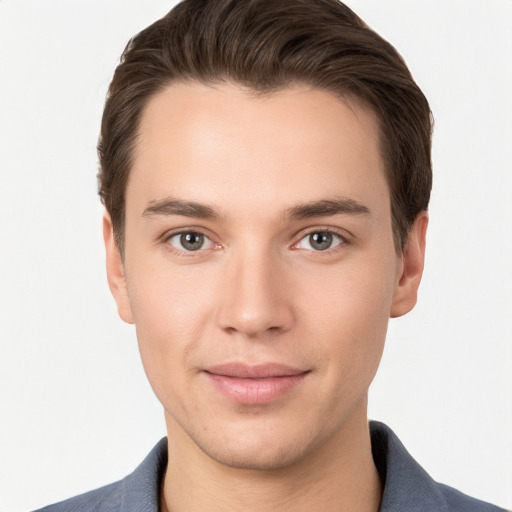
(171, 314)
(357, 293)
(350, 317)
(168, 298)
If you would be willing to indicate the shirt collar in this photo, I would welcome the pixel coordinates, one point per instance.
(406, 484)
(141, 489)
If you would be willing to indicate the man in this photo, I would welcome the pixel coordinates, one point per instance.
(265, 168)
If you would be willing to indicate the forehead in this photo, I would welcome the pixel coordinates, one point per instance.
(218, 143)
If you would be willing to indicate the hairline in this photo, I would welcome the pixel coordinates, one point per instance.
(349, 98)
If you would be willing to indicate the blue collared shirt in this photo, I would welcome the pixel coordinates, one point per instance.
(407, 486)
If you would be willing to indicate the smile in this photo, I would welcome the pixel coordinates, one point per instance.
(255, 385)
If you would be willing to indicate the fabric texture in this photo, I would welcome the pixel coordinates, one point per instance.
(407, 486)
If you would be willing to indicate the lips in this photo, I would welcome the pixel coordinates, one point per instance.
(255, 384)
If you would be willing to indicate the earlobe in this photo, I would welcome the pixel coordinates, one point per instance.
(115, 271)
(413, 258)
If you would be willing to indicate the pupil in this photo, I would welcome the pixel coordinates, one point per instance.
(192, 241)
(320, 241)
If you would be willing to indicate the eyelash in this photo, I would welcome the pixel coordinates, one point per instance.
(184, 253)
(336, 234)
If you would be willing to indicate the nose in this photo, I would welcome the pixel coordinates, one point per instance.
(255, 298)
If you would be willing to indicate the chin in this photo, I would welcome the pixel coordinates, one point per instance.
(256, 458)
(258, 448)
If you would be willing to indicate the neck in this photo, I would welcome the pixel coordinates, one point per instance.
(339, 475)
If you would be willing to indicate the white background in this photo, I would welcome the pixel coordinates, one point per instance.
(76, 411)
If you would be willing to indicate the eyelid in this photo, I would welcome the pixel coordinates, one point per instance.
(341, 233)
(189, 229)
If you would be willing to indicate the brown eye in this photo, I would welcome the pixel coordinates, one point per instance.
(190, 241)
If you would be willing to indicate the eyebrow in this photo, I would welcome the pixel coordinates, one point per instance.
(171, 206)
(322, 208)
(327, 207)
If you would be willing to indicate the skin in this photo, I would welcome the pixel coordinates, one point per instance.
(259, 290)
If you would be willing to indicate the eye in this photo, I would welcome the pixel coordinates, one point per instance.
(319, 241)
(190, 241)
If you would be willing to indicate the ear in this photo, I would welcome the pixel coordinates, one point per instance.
(413, 258)
(115, 271)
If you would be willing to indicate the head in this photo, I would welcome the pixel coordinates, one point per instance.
(266, 46)
(265, 168)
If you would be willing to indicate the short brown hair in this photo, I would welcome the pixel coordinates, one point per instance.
(267, 45)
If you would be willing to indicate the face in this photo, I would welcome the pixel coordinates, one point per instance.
(259, 267)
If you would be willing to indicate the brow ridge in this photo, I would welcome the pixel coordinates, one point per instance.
(326, 207)
(173, 206)
(321, 208)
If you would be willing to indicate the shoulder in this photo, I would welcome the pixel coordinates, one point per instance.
(107, 498)
(459, 502)
(139, 491)
(408, 487)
